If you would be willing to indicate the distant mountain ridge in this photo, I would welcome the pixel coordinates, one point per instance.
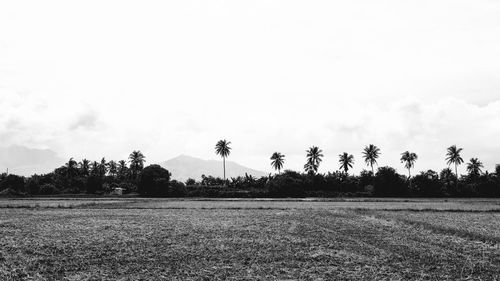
(25, 161)
(183, 167)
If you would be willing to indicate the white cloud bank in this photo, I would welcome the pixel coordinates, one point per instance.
(95, 79)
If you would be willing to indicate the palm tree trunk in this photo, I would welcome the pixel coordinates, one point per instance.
(224, 164)
(409, 177)
(456, 173)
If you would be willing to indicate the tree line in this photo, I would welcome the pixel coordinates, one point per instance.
(131, 176)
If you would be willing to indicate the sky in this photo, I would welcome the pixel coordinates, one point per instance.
(102, 78)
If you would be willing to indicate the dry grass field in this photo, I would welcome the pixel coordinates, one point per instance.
(166, 239)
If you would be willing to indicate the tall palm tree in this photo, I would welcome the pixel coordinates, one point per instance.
(474, 167)
(85, 167)
(222, 148)
(370, 154)
(453, 157)
(346, 161)
(409, 158)
(278, 160)
(314, 155)
(136, 159)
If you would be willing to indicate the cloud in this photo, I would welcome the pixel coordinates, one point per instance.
(87, 121)
(327, 74)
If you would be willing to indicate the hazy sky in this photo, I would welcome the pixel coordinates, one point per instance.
(102, 78)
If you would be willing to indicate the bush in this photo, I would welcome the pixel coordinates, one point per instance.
(13, 182)
(94, 184)
(177, 189)
(288, 184)
(427, 184)
(211, 181)
(389, 183)
(33, 185)
(154, 181)
(333, 182)
(369, 190)
(247, 182)
(127, 187)
(365, 179)
(313, 182)
(467, 189)
(488, 186)
(448, 182)
(190, 181)
(48, 189)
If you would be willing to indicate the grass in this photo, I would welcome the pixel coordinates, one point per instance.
(158, 239)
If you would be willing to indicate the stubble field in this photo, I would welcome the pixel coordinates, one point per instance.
(165, 239)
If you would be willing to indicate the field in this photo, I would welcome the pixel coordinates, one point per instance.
(167, 239)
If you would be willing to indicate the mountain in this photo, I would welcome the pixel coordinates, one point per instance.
(25, 161)
(184, 167)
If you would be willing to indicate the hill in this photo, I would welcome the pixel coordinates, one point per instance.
(183, 167)
(26, 161)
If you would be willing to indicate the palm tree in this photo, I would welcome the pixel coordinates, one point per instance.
(474, 167)
(94, 168)
(122, 169)
(447, 177)
(453, 157)
(314, 155)
(278, 160)
(103, 167)
(136, 159)
(371, 153)
(71, 167)
(222, 148)
(112, 168)
(346, 161)
(85, 167)
(409, 158)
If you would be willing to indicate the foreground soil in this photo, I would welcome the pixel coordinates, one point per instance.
(160, 240)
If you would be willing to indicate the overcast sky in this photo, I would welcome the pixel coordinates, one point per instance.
(103, 78)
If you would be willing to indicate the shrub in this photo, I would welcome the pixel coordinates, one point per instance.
(177, 189)
(13, 182)
(448, 182)
(488, 186)
(154, 181)
(211, 181)
(427, 184)
(48, 189)
(365, 179)
(127, 187)
(389, 183)
(333, 182)
(190, 181)
(247, 182)
(288, 184)
(94, 184)
(369, 190)
(33, 185)
(467, 189)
